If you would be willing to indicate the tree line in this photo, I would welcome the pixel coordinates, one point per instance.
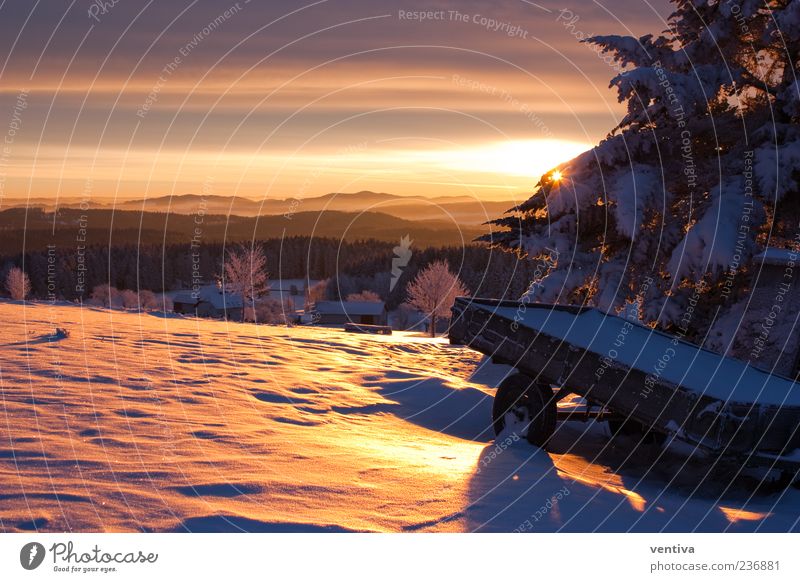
(349, 266)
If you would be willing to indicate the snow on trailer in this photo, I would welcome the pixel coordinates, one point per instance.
(636, 377)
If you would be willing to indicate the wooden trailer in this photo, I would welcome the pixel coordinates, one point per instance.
(640, 380)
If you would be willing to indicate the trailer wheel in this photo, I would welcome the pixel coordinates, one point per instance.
(531, 403)
(628, 427)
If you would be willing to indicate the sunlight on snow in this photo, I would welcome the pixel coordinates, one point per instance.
(208, 422)
(734, 515)
(576, 468)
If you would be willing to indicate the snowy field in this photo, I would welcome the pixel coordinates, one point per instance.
(139, 422)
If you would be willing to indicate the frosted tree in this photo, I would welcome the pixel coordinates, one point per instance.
(148, 300)
(434, 290)
(366, 295)
(316, 293)
(245, 275)
(129, 298)
(18, 284)
(106, 295)
(666, 213)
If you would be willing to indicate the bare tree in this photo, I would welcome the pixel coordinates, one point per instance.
(273, 311)
(434, 290)
(18, 284)
(106, 295)
(366, 295)
(148, 300)
(245, 274)
(130, 299)
(316, 293)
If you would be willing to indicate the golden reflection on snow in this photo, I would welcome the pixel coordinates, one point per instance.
(579, 469)
(429, 452)
(734, 515)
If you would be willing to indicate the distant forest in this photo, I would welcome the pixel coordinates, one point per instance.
(32, 229)
(350, 267)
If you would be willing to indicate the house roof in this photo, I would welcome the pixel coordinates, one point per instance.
(350, 307)
(209, 294)
(775, 256)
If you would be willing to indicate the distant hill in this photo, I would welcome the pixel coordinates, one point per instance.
(457, 210)
(69, 227)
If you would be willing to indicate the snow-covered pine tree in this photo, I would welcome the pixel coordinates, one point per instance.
(668, 210)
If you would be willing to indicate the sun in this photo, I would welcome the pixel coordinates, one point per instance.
(556, 176)
(522, 158)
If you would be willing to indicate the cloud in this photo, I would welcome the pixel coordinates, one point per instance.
(245, 78)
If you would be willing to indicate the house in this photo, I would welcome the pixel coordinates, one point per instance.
(294, 291)
(208, 301)
(341, 312)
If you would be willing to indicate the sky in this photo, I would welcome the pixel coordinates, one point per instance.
(104, 99)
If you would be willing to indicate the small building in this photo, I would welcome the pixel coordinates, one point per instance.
(341, 312)
(208, 301)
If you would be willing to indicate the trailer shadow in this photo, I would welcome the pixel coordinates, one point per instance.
(668, 466)
(584, 483)
(529, 490)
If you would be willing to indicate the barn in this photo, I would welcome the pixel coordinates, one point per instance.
(341, 312)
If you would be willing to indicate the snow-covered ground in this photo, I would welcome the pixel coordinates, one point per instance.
(144, 422)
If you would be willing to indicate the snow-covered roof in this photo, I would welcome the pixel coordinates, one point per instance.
(350, 307)
(209, 294)
(775, 256)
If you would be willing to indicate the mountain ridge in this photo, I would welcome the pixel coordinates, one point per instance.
(455, 209)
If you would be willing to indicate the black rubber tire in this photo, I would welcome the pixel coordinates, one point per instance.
(635, 430)
(520, 394)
